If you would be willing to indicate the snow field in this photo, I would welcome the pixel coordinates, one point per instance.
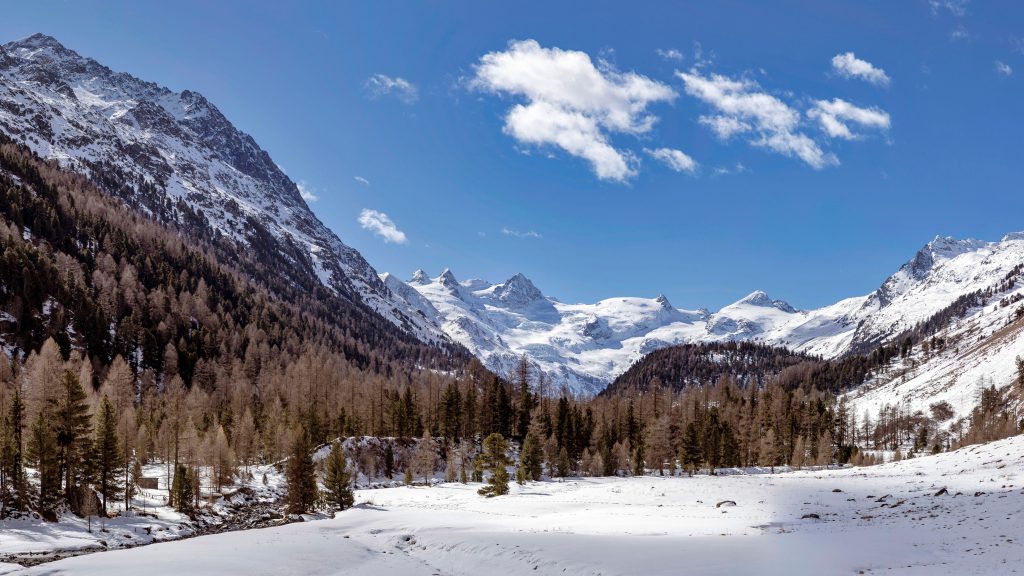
(884, 519)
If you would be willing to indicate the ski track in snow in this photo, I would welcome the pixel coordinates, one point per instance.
(648, 525)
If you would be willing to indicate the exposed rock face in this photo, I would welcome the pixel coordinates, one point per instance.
(177, 154)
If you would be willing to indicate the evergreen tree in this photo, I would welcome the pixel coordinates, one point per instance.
(526, 400)
(107, 452)
(478, 469)
(689, 449)
(182, 490)
(337, 479)
(134, 477)
(530, 458)
(495, 459)
(300, 476)
(72, 427)
(43, 453)
(451, 413)
(564, 466)
(13, 484)
(730, 448)
(389, 461)
(711, 445)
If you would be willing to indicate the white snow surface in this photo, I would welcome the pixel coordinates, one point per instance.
(884, 519)
(74, 110)
(585, 346)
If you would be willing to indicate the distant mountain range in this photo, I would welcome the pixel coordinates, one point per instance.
(585, 346)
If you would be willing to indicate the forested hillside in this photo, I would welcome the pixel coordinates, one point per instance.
(98, 300)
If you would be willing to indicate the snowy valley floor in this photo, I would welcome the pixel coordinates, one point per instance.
(885, 520)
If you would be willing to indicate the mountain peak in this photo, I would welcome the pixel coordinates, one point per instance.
(38, 40)
(518, 290)
(663, 301)
(30, 47)
(756, 298)
(447, 279)
(939, 248)
(760, 298)
(1013, 236)
(419, 277)
(949, 246)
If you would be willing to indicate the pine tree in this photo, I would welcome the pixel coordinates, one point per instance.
(564, 467)
(43, 453)
(182, 489)
(134, 477)
(495, 459)
(690, 453)
(530, 458)
(389, 461)
(72, 427)
(526, 400)
(300, 476)
(12, 466)
(107, 452)
(478, 469)
(451, 413)
(337, 479)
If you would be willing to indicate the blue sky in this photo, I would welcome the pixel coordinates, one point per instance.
(796, 167)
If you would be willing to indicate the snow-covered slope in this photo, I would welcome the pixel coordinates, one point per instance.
(955, 513)
(72, 109)
(585, 346)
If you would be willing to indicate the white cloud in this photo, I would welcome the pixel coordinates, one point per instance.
(1018, 44)
(725, 127)
(743, 108)
(381, 225)
(674, 159)
(571, 103)
(835, 117)
(849, 66)
(1003, 69)
(520, 234)
(738, 168)
(382, 85)
(670, 54)
(954, 7)
(305, 191)
(361, 180)
(959, 33)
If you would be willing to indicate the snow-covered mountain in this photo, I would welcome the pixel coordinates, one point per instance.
(179, 148)
(585, 346)
(180, 157)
